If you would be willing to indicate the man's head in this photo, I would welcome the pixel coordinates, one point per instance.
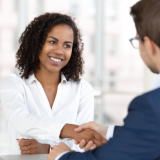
(146, 15)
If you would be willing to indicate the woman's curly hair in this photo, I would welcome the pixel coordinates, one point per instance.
(33, 38)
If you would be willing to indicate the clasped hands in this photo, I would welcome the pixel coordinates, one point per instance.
(100, 136)
(97, 138)
(88, 136)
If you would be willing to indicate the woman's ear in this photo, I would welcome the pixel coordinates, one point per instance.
(149, 46)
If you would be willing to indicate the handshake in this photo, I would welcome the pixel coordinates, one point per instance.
(95, 135)
(88, 136)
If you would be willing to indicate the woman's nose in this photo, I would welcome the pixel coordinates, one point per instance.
(59, 49)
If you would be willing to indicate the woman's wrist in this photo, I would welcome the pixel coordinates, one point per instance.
(68, 131)
(46, 149)
(43, 148)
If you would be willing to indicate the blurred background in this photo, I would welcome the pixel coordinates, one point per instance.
(112, 66)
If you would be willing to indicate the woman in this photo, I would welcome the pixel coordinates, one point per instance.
(47, 100)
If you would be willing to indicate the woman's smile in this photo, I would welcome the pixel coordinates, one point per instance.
(56, 61)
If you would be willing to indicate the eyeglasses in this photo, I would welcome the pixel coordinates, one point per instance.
(135, 42)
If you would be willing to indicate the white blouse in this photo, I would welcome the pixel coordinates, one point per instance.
(29, 115)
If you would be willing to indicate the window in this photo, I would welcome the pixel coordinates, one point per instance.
(112, 44)
(92, 44)
(112, 81)
(15, 39)
(112, 9)
(74, 9)
(15, 5)
(92, 9)
(39, 6)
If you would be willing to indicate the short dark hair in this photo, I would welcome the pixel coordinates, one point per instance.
(33, 38)
(146, 15)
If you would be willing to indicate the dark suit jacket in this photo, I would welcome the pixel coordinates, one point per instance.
(138, 139)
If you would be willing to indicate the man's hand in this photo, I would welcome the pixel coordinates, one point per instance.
(31, 146)
(102, 130)
(58, 149)
(86, 146)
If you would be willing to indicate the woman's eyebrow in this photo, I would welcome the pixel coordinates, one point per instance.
(58, 40)
(68, 42)
(53, 38)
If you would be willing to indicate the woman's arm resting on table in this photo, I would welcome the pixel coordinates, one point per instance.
(31, 146)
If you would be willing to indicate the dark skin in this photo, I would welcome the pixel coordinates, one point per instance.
(87, 134)
(55, 54)
(33, 147)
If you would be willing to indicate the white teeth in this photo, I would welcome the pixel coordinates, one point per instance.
(55, 59)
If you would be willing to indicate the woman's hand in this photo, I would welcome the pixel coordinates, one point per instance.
(31, 146)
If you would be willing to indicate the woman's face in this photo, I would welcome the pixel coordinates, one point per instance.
(57, 49)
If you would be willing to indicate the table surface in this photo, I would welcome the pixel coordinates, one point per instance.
(24, 157)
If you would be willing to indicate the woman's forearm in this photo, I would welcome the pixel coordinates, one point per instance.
(68, 131)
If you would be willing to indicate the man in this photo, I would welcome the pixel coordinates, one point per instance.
(139, 138)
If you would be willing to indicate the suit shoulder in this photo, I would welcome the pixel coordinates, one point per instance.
(155, 92)
(149, 101)
(151, 94)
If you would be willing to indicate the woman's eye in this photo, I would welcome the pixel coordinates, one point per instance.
(53, 42)
(67, 46)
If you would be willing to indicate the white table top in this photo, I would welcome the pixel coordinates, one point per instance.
(24, 157)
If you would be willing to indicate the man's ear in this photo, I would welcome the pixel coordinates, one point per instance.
(149, 45)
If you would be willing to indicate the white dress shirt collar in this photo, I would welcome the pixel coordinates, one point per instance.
(32, 78)
(156, 82)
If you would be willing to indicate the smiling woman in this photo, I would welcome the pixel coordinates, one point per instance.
(48, 99)
(45, 30)
(57, 49)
